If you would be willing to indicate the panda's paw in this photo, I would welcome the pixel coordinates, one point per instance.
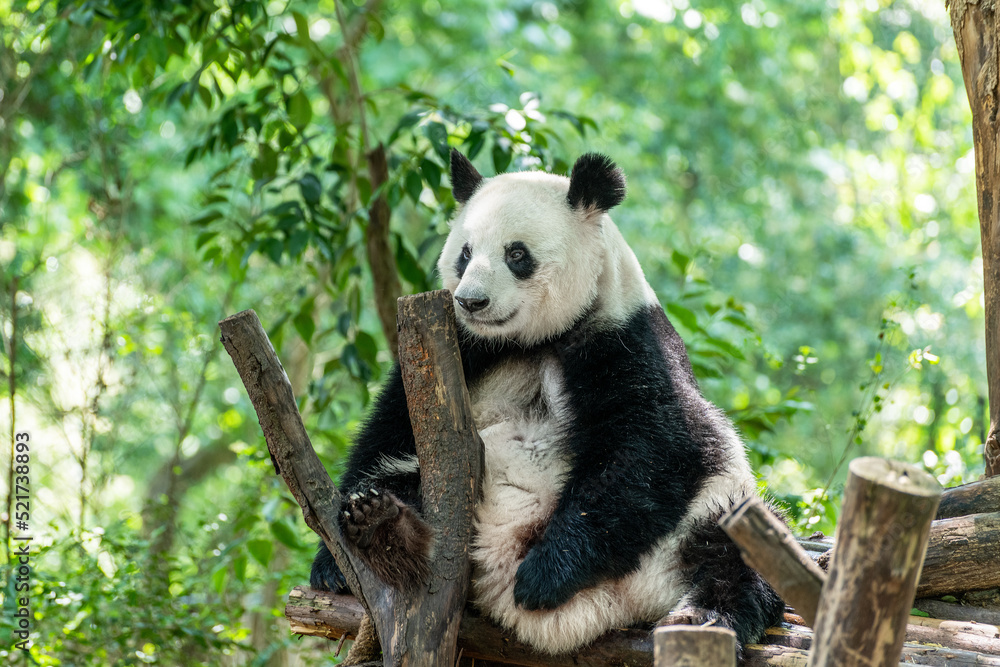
(365, 512)
(543, 583)
(389, 536)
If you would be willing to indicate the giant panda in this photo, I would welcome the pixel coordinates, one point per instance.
(606, 468)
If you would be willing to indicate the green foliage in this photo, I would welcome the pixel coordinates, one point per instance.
(800, 196)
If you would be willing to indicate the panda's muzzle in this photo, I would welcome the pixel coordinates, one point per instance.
(472, 305)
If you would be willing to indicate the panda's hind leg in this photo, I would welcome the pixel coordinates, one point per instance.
(724, 590)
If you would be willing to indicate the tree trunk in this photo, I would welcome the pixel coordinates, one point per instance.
(976, 29)
(385, 280)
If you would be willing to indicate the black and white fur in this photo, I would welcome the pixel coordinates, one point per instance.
(606, 469)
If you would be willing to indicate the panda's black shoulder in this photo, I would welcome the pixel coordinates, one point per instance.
(643, 339)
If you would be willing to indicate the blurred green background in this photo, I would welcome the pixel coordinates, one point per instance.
(801, 196)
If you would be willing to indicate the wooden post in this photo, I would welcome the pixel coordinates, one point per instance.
(418, 628)
(425, 630)
(769, 547)
(694, 646)
(881, 538)
(977, 26)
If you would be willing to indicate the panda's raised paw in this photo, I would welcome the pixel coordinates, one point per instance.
(364, 512)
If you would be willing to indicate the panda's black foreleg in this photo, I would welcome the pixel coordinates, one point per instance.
(724, 590)
(326, 575)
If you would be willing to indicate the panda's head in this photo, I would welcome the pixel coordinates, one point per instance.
(527, 250)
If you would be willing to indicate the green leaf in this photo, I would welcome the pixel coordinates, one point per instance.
(299, 109)
(284, 532)
(305, 324)
(204, 238)
(298, 242)
(414, 186)
(311, 189)
(476, 141)
(917, 612)
(367, 348)
(438, 135)
(407, 121)
(301, 25)
(408, 266)
(206, 218)
(261, 550)
(240, 567)
(219, 580)
(727, 347)
(273, 248)
(680, 260)
(501, 158)
(685, 316)
(431, 172)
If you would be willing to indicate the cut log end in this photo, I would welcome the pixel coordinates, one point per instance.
(895, 475)
(694, 645)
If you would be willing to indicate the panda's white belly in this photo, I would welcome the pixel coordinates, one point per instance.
(518, 410)
(521, 486)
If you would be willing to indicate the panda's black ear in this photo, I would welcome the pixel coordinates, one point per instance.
(464, 177)
(596, 183)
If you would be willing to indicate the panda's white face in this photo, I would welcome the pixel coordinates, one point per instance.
(522, 263)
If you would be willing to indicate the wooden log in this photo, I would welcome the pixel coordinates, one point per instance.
(925, 645)
(769, 547)
(963, 554)
(312, 612)
(774, 655)
(958, 612)
(693, 646)
(977, 31)
(977, 637)
(975, 498)
(323, 614)
(954, 634)
(881, 537)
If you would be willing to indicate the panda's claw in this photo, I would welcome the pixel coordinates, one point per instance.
(365, 513)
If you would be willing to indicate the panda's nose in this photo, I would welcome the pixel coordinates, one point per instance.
(472, 305)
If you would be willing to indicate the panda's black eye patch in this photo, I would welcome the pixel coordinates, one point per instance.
(463, 260)
(519, 260)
